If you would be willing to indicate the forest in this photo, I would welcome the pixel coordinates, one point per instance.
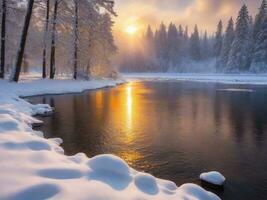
(240, 48)
(64, 37)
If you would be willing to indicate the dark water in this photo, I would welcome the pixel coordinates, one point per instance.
(174, 130)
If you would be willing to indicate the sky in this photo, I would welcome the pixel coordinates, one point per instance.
(205, 13)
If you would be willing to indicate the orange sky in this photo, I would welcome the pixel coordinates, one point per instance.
(140, 13)
(206, 13)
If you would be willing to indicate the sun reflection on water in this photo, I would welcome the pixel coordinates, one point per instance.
(129, 107)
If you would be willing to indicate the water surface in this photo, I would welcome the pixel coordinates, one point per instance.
(174, 130)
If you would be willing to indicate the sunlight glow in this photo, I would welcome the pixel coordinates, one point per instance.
(131, 29)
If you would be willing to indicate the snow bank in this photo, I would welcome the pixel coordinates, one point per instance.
(32, 167)
(213, 177)
(254, 79)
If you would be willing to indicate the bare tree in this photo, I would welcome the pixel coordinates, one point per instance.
(45, 37)
(75, 30)
(3, 40)
(18, 62)
(53, 43)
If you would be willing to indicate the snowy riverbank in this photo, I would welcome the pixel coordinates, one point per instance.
(32, 167)
(253, 79)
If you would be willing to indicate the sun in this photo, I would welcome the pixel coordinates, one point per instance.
(131, 29)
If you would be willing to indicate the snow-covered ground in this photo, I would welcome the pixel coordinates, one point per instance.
(254, 79)
(33, 168)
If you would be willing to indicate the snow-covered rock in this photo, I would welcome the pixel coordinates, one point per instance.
(32, 167)
(213, 177)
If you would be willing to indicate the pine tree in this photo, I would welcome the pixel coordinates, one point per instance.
(226, 47)
(195, 45)
(259, 62)
(172, 45)
(251, 42)
(180, 31)
(186, 37)
(181, 46)
(218, 39)
(161, 46)
(260, 19)
(150, 49)
(149, 33)
(205, 47)
(239, 54)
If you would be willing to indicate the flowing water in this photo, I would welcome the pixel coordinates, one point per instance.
(174, 130)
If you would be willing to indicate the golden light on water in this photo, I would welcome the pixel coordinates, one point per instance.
(129, 104)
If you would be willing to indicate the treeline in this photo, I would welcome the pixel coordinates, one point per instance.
(242, 47)
(63, 36)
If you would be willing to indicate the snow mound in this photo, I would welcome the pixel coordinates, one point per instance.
(213, 177)
(8, 123)
(168, 185)
(78, 158)
(191, 192)
(109, 163)
(110, 170)
(41, 109)
(57, 141)
(146, 183)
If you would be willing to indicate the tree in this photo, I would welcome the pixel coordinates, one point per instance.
(18, 62)
(45, 37)
(251, 42)
(195, 45)
(205, 47)
(180, 31)
(161, 45)
(218, 39)
(3, 40)
(75, 30)
(149, 34)
(186, 37)
(226, 46)
(259, 20)
(239, 54)
(150, 49)
(53, 43)
(259, 62)
(172, 45)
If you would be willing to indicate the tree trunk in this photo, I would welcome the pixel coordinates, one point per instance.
(53, 44)
(25, 63)
(45, 37)
(3, 40)
(19, 57)
(75, 29)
